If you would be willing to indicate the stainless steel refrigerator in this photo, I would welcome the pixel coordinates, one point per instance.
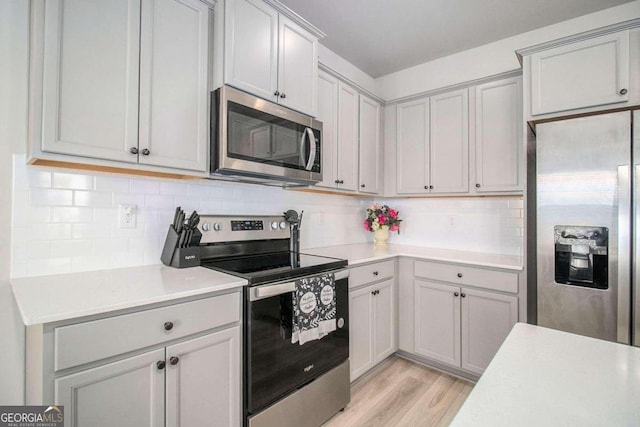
(587, 225)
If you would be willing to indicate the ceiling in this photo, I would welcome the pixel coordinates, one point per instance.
(383, 36)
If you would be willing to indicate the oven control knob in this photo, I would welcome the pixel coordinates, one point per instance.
(206, 226)
(274, 225)
(217, 226)
(283, 225)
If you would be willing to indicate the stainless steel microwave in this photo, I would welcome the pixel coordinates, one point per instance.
(257, 139)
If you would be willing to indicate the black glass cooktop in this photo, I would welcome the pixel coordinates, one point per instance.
(258, 269)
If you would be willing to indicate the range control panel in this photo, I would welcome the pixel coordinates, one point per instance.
(223, 229)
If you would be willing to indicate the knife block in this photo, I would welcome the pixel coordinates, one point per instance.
(174, 256)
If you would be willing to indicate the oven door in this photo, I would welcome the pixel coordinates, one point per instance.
(274, 366)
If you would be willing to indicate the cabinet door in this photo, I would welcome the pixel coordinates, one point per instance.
(437, 322)
(131, 390)
(251, 47)
(203, 387)
(360, 331)
(449, 142)
(297, 67)
(498, 136)
(383, 326)
(173, 84)
(90, 79)
(370, 146)
(347, 137)
(487, 319)
(328, 115)
(583, 74)
(412, 145)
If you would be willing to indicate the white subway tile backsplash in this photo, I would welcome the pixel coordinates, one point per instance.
(74, 226)
(144, 186)
(92, 199)
(89, 231)
(158, 202)
(72, 214)
(50, 231)
(70, 248)
(173, 188)
(49, 197)
(46, 266)
(72, 181)
(111, 183)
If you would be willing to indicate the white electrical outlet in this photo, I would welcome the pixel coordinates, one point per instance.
(127, 216)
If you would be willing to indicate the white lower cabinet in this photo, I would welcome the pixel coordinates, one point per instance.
(177, 365)
(128, 392)
(459, 326)
(371, 326)
(187, 384)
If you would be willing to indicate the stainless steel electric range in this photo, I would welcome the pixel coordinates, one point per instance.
(285, 383)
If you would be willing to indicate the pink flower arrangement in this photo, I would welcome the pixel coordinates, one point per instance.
(379, 215)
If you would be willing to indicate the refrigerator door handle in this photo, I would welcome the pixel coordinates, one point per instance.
(624, 252)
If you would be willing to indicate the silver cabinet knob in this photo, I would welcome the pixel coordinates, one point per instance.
(206, 226)
(133, 150)
(282, 225)
(623, 91)
(455, 294)
(463, 295)
(283, 95)
(460, 275)
(146, 151)
(477, 185)
(276, 93)
(217, 226)
(274, 225)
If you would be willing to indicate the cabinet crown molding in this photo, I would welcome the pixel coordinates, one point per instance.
(620, 26)
(281, 8)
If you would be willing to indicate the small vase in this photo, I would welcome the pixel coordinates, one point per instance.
(381, 235)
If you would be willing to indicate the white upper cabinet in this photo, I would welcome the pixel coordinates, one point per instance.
(328, 115)
(348, 104)
(449, 142)
(370, 146)
(412, 145)
(582, 74)
(131, 87)
(251, 47)
(269, 55)
(498, 136)
(174, 84)
(90, 78)
(297, 67)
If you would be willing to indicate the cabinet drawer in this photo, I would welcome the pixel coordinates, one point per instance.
(481, 278)
(369, 273)
(98, 339)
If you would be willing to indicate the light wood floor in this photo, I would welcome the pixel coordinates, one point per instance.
(402, 393)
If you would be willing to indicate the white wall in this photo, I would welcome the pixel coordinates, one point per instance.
(347, 70)
(13, 110)
(494, 58)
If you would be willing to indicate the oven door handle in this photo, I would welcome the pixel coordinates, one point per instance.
(266, 291)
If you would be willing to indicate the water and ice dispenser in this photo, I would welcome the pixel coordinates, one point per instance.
(581, 256)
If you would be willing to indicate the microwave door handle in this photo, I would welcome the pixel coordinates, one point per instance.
(312, 150)
(303, 160)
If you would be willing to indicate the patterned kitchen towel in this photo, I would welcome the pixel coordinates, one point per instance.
(327, 306)
(309, 305)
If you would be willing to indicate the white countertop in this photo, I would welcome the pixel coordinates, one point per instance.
(543, 377)
(367, 252)
(47, 299)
